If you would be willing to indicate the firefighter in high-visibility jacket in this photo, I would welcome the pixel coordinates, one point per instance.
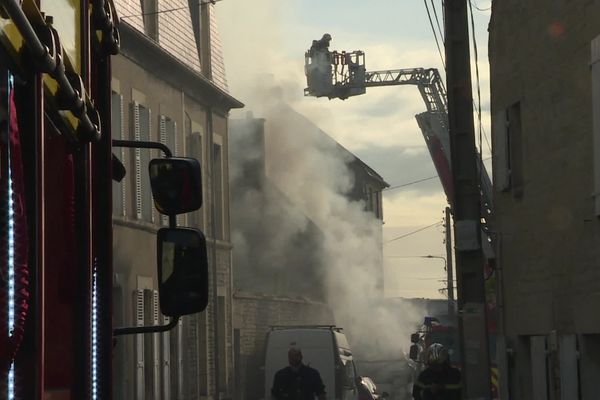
(440, 380)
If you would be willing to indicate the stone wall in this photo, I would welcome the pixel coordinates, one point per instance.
(253, 315)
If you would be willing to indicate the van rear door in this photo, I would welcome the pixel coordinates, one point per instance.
(317, 351)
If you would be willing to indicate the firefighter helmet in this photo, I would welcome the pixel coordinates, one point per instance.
(436, 354)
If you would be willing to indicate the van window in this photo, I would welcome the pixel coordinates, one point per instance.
(349, 375)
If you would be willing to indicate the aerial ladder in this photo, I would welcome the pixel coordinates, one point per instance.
(343, 74)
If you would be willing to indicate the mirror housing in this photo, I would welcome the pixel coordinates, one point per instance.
(414, 338)
(176, 184)
(414, 352)
(182, 271)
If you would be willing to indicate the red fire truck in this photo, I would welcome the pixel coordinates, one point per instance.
(56, 172)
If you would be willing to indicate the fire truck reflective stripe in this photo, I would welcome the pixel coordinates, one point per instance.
(95, 330)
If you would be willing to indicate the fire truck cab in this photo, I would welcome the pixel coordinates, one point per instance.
(56, 172)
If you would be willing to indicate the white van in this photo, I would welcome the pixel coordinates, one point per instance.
(324, 348)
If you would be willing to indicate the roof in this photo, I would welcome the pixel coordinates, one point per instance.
(148, 54)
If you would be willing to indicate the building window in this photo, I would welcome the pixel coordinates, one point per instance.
(118, 190)
(150, 16)
(515, 148)
(508, 150)
(218, 188)
(143, 195)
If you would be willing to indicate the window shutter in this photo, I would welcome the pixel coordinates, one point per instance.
(162, 121)
(180, 360)
(175, 149)
(539, 367)
(166, 361)
(122, 134)
(139, 346)
(138, 160)
(596, 119)
(156, 339)
(501, 152)
(191, 345)
(569, 367)
(148, 201)
(162, 129)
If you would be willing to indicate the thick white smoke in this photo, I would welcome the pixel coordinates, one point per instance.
(312, 171)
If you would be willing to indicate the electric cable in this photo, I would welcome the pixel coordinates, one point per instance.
(475, 54)
(413, 232)
(170, 9)
(434, 33)
(437, 20)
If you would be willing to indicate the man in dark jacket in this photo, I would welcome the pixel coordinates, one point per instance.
(440, 380)
(297, 381)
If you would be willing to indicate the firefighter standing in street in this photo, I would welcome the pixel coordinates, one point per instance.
(297, 381)
(440, 380)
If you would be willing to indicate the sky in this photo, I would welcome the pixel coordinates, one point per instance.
(269, 37)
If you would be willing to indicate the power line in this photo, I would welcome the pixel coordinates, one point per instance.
(413, 182)
(434, 33)
(413, 232)
(170, 9)
(437, 20)
(409, 183)
(476, 55)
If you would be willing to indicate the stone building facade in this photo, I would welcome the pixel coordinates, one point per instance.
(545, 94)
(164, 91)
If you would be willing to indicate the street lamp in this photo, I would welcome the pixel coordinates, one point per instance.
(450, 276)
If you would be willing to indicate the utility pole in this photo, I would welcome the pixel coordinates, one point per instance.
(449, 265)
(467, 232)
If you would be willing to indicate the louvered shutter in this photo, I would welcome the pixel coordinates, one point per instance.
(162, 121)
(139, 346)
(180, 360)
(166, 361)
(138, 160)
(156, 345)
(117, 133)
(122, 134)
(175, 144)
(147, 204)
(162, 127)
(191, 354)
(172, 140)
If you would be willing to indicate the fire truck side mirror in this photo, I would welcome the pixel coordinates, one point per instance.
(182, 271)
(176, 185)
(414, 338)
(414, 352)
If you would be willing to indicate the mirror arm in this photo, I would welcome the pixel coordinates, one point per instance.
(141, 144)
(146, 329)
